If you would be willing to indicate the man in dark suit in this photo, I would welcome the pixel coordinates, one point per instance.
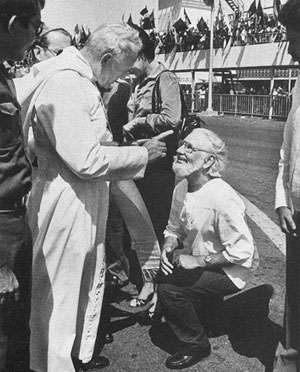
(20, 22)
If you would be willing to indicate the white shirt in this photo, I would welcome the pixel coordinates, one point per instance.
(289, 156)
(212, 220)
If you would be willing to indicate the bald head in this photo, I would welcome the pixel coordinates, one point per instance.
(57, 39)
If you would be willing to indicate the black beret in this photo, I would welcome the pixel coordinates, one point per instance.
(289, 14)
(20, 7)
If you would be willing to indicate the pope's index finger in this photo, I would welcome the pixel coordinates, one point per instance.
(163, 135)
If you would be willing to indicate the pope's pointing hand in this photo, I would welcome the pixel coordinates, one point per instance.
(156, 148)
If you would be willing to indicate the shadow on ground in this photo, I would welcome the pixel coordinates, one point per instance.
(243, 318)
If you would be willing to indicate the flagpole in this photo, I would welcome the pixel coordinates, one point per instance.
(211, 59)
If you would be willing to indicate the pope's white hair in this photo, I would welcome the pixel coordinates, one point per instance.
(215, 145)
(119, 39)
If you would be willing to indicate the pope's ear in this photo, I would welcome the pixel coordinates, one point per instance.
(106, 58)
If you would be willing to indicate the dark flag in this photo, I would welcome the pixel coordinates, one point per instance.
(148, 23)
(252, 9)
(259, 12)
(201, 25)
(186, 18)
(180, 25)
(130, 21)
(208, 2)
(276, 8)
(220, 22)
(144, 11)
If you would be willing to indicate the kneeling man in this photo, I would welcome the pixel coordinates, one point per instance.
(208, 249)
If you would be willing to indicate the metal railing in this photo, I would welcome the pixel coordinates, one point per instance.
(266, 106)
(259, 38)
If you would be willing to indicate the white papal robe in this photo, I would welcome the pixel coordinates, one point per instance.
(68, 210)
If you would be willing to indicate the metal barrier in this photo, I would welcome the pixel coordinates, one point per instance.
(240, 104)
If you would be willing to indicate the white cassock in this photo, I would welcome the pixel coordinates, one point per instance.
(68, 211)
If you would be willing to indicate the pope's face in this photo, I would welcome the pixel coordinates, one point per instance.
(114, 68)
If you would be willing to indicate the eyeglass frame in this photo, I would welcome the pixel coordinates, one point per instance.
(191, 148)
(55, 53)
(37, 27)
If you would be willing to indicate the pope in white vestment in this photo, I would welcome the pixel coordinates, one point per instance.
(68, 210)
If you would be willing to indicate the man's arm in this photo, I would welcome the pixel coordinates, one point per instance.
(64, 115)
(170, 114)
(212, 261)
(284, 212)
(173, 233)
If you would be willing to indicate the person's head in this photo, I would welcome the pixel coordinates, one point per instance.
(146, 55)
(289, 16)
(50, 44)
(20, 23)
(202, 153)
(111, 50)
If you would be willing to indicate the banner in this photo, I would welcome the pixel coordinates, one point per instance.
(196, 4)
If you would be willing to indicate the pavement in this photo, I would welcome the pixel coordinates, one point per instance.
(250, 342)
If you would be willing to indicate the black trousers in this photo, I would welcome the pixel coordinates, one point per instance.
(186, 296)
(16, 247)
(156, 189)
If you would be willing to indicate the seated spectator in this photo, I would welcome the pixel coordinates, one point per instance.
(208, 250)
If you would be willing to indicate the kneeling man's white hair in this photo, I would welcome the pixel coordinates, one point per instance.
(216, 146)
(115, 38)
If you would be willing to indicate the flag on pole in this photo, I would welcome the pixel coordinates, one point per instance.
(180, 25)
(202, 25)
(148, 22)
(260, 13)
(252, 9)
(208, 2)
(130, 22)
(186, 18)
(276, 8)
(220, 21)
(144, 11)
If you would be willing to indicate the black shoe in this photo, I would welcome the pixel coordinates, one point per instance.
(96, 363)
(181, 361)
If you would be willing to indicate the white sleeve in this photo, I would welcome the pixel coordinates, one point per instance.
(281, 194)
(174, 227)
(63, 111)
(282, 191)
(235, 235)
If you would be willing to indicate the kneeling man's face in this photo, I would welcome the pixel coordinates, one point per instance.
(191, 155)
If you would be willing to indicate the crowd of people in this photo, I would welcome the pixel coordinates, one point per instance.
(241, 30)
(89, 160)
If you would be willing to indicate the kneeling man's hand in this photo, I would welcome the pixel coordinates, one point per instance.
(165, 264)
(286, 221)
(189, 262)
